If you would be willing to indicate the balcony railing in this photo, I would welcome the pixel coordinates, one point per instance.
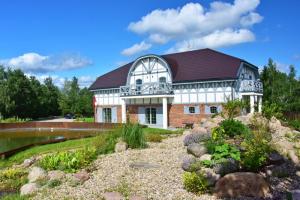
(251, 86)
(146, 89)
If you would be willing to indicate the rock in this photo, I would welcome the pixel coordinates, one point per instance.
(187, 162)
(199, 130)
(121, 146)
(294, 158)
(274, 124)
(209, 125)
(197, 149)
(37, 174)
(203, 120)
(210, 175)
(217, 119)
(227, 166)
(186, 132)
(194, 138)
(279, 171)
(205, 157)
(295, 194)
(56, 175)
(241, 184)
(275, 158)
(28, 162)
(298, 173)
(82, 176)
(112, 196)
(143, 165)
(135, 197)
(29, 189)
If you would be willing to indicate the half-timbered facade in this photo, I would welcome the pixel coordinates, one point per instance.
(175, 89)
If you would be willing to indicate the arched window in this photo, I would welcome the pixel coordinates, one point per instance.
(162, 79)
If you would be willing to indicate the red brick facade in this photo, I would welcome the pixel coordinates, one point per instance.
(176, 116)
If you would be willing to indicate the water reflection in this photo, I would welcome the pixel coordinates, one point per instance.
(13, 139)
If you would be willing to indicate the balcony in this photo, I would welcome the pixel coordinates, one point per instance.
(146, 89)
(251, 86)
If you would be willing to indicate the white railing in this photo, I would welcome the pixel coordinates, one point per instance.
(251, 86)
(146, 89)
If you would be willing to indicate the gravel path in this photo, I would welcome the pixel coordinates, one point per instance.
(153, 173)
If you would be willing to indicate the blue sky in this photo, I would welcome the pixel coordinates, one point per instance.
(64, 38)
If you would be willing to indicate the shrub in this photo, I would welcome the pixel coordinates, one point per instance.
(68, 161)
(133, 135)
(195, 183)
(154, 138)
(233, 127)
(194, 138)
(12, 179)
(270, 110)
(233, 108)
(295, 124)
(224, 151)
(106, 143)
(257, 147)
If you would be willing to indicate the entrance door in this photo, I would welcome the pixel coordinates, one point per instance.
(150, 115)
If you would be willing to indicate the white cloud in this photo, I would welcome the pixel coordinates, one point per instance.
(36, 63)
(195, 24)
(136, 48)
(282, 67)
(83, 81)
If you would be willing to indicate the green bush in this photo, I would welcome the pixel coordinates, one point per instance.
(194, 182)
(133, 135)
(256, 147)
(233, 108)
(224, 151)
(12, 179)
(68, 161)
(233, 127)
(106, 143)
(295, 124)
(154, 138)
(270, 110)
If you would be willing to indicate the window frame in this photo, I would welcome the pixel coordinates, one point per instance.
(211, 108)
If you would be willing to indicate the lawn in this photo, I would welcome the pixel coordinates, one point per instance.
(71, 145)
(85, 119)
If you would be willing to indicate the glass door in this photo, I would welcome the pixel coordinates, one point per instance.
(150, 115)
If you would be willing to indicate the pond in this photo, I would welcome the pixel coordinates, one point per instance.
(18, 138)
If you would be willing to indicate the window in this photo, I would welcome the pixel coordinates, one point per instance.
(192, 110)
(138, 83)
(162, 79)
(107, 115)
(213, 109)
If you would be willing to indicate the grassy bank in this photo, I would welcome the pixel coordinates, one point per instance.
(100, 140)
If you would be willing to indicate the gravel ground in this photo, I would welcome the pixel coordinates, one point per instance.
(157, 175)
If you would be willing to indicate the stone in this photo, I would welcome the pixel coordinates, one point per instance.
(298, 173)
(121, 146)
(209, 125)
(295, 194)
(187, 162)
(194, 138)
(294, 158)
(36, 174)
(279, 171)
(143, 165)
(135, 197)
(210, 176)
(274, 124)
(242, 184)
(112, 196)
(28, 162)
(275, 158)
(205, 157)
(197, 149)
(200, 130)
(186, 132)
(56, 175)
(227, 166)
(217, 119)
(203, 120)
(82, 176)
(29, 188)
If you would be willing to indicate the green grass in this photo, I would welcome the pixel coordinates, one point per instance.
(161, 131)
(85, 119)
(49, 148)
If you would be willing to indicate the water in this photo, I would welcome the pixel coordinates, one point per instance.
(13, 139)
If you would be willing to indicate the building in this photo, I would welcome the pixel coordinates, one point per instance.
(175, 89)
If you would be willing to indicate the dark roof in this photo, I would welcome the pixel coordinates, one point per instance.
(190, 66)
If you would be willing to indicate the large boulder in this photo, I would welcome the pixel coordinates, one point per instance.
(187, 163)
(197, 149)
(200, 130)
(227, 166)
(82, 176)
(242, 184)
(121, 146)
(210, 176)
(194, 138)
(36, 174)
(29, 188)
(275, 158)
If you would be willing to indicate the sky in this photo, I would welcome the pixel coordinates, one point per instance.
(87, 38)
